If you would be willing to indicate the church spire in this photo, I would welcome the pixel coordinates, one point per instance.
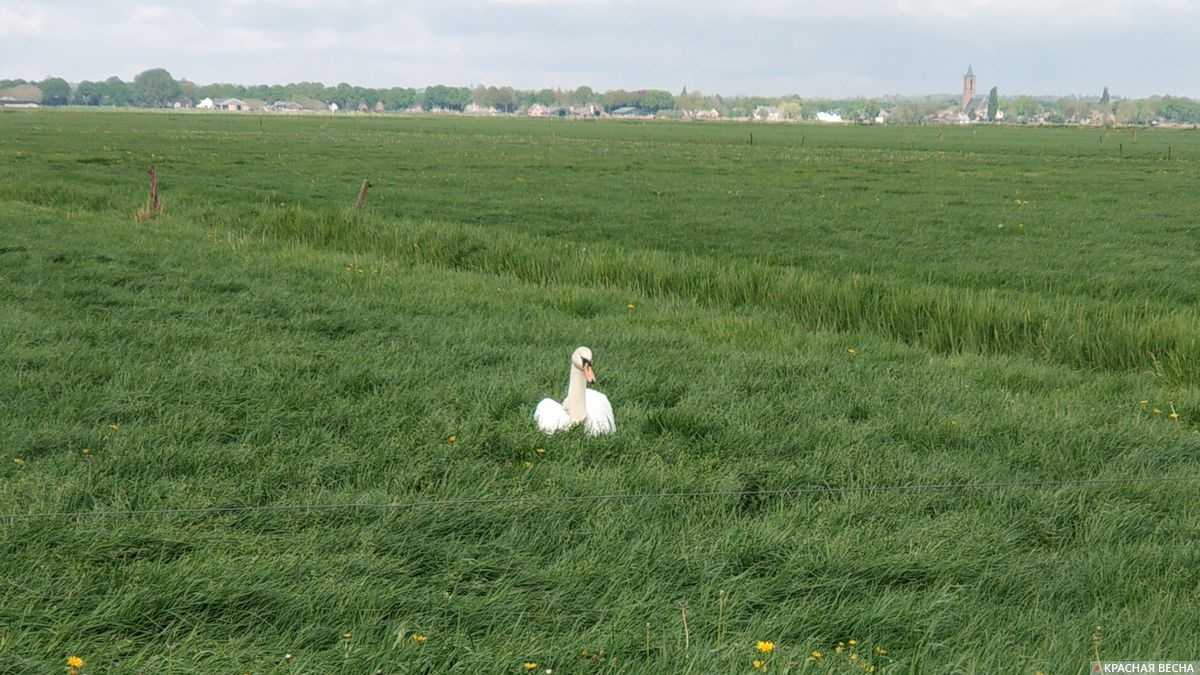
(970, 72)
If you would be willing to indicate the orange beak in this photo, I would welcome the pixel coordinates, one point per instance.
(588, 373)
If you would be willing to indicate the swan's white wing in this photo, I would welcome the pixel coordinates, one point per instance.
(599, 414)
(551, 416)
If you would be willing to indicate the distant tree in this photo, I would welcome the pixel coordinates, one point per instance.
(187, 89)
(55, 91)
(156, 88)
(993, 104)
(582, 95)
(617, 98)
(1104, 97)
(506, 99)
(544, 96)
(871, 109)
(116, 92)
(447, 98)
(88, 93)
(655, 100)
(1126, 112)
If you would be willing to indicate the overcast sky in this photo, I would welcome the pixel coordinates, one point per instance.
(768, 47)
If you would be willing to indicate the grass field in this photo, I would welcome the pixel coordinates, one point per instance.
(845, 308)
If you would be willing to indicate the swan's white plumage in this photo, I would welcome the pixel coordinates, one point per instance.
(551, 416)
(599, 414)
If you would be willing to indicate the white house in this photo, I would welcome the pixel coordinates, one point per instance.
(538, 110)
(476, 109)
(829, 118)
(768, 113)
(206, 104)
(231, 104)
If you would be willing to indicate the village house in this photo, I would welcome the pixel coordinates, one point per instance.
(14, 102)
(286, 107)
(585, 110)
(630, 112)
(232, 104)
(538, 110)
(476, 109)
(768, 113)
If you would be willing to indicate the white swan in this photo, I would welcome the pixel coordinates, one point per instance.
(581, 405)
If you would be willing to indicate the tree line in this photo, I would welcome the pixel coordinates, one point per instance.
(156, 87)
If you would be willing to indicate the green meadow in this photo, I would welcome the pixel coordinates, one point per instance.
(895, 400)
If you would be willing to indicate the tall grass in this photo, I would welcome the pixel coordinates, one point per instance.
(1079, 332)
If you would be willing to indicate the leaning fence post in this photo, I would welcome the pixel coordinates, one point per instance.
(153, 206)
(362, 195)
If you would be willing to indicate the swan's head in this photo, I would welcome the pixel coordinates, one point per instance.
(582, 359)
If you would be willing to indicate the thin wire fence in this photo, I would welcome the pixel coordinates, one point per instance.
(546, 500)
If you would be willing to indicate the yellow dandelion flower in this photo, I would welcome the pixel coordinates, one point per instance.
(851, 350)
(18, 461)
(540, 451)
(114, 427)
(451, 439)
(1156, 412)
(841, 647)
(759, 665)
(346, 636)
(1143, 403)
(631, 306)
(419, 638)
(852, 642)
(853, 656)
(817, 655)
(764, 646)
(880, 651)
(530, 665)
(869, 668)
(75, 662)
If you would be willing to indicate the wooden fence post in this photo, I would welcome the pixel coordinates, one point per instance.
(153, 206)
(362, 195)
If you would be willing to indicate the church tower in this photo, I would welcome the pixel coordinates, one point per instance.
(968, 88)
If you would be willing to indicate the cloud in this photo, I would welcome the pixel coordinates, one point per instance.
(20, 22)
(810, 47)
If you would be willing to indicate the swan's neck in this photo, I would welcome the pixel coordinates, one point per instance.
(576, 403)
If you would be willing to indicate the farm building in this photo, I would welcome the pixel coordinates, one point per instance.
(222, 104)
(286, 106)
(13, 102)
(768, 113)
(476, 109)
(631, 113)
